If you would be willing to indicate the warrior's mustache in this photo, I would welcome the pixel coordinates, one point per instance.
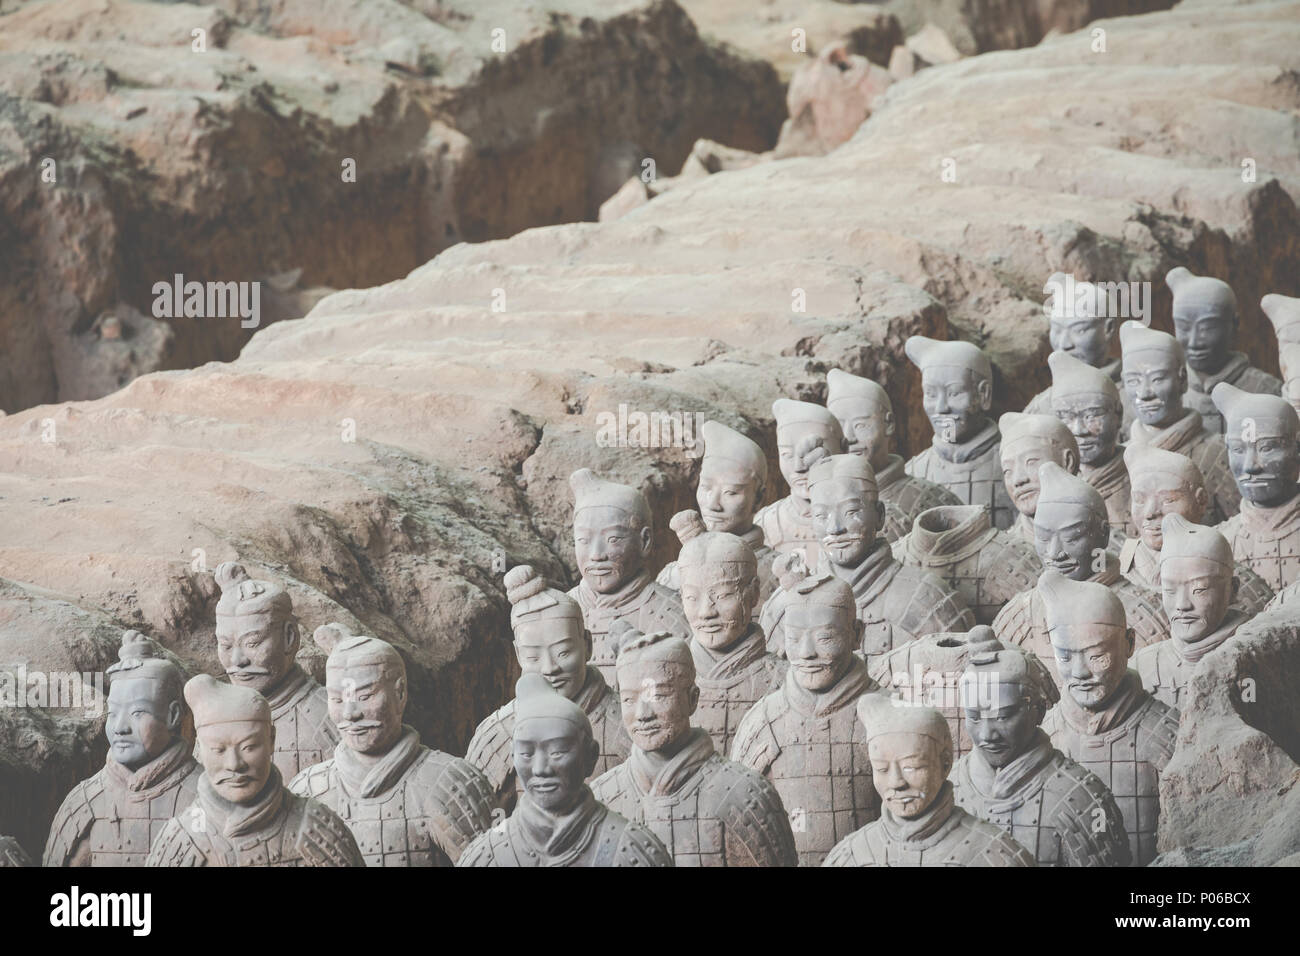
(360, 725)
(248, 672)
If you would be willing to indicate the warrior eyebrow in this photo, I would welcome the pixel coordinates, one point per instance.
(358, 686)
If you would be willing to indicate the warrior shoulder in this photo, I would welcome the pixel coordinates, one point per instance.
(637, 845)
(324, 839)
(314, 780)
(175, 847)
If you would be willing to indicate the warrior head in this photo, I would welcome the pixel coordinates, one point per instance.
(733, 477)
(1205, 318)
(910, 748)
(1284, 312)
(611, 531)
(1079, 326)
(1005, 693)
(865, 415)
(236, 737)
(551, 638)
(1197, 579)
(553, 749)
(1162, 483)
(956, 386)
(656, 686)
(821, 623)
(1029, 441)
(804, 433)
(365, 679)
(257, 633)
(1090, 636)
(1261, 432)
(719, 582)
(146, 702)
(1088, 404)
(1071, 529)
(846, 510)
(1154, 374)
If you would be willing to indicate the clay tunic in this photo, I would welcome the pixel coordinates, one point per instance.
(1048, 804)
(491, 749)
(12, 853)
(896, 604)
(1166, 668)
(705, 809)
(1024, 621)
(986, 566)
(944, 835)
(415, 807)
(786, 528)
(814, 750)
(670, 576)
(304, 733)
(278, 829)
(974, 476)
(1141, 565)
(643, 603)
(591, 835)
(113, 817)
(1189, 437)
(1127, 746)
(732, 683)
(1236, 371)
(1267, 540)
(928, 671)
(906, 496)
(1041, 404)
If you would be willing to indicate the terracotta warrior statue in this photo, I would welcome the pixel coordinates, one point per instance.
(1155, 378)
(895, 604)
(986, 566)
(1284, 312)
(920, 823)
(1262, 450)
(112, 818)
(243, 814)
(1197, 573)
(1015, 778)
(1205, 322)
(405, 804)
(558, 822)
(733, 478)
(612, 540)
(804, 433)
(551, 640)
(866, 417)
(257, 644)
(707, 810)
(1105, 720)
(957, 392)
(927, 671)
(1027, 442)
(1166, 483)
(732, 666)
(1084, 330)
(12, 853)
(1087, 402)
(804, 736)
(1071, 535)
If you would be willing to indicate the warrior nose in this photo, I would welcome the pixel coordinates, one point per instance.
(1250, 461)
(1079, 667)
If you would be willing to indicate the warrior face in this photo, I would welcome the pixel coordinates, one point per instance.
(256, 650)
(908, 771)
(1082, 337)
(727, 495)
(1092, 660)
(236, 756)
(1196, 593)
(610, 545)
(1206, 334)
(847, 520)
(718, 604)
(1004, 731)
(1070, 538)
(1264, 458)
(658, 698)
(366, 703)
(1155, 494)
(556, 648)
(819, 642)
(955, 400)
(796, 443)
(142, 720)
(866, 428)
(1020, 461)
(1093, 421)
(553, 757)
(1155, 382)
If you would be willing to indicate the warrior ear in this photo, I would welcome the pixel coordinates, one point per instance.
(1202, 499)
(890, 428)
(292, 637)
(1110, 328)
(1130, 642)
(175, 714)
(1071, 462)
(647, 540)
(984, 388)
